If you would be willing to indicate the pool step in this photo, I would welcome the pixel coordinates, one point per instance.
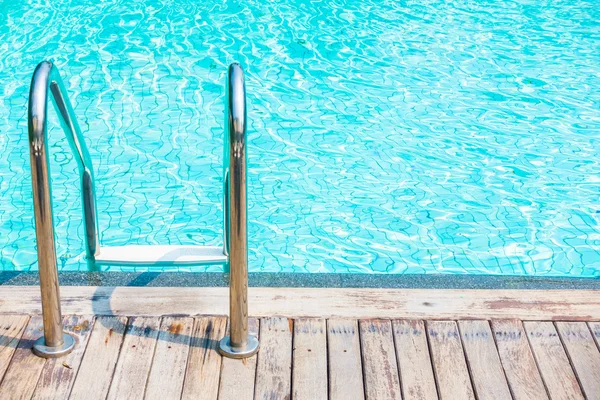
(161, 255)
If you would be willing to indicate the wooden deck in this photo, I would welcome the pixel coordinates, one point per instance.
(332, 352)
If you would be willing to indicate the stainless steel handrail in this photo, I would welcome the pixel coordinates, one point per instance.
(55, 342)
(239, 344)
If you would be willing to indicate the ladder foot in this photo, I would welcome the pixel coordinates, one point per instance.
(41, 350)
(250, 349)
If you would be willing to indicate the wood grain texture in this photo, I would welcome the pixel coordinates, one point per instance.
(58, 374)
(380, 368)
(309, 373)
(412, 352)
(584, 355)
(483, 360)
(582, 305)
(135, 360)
(517, 359)
(11, 330)
(204, 362)
(344, 360)
(595, 328)
(238, 376)
(100, 358)
(274, 365)
(448, 360)
(170, 359)
(25, 368)
(552, 361)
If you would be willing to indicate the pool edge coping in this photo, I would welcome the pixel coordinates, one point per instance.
(305, 280)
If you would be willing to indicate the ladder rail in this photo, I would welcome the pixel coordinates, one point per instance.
(239, 344)
(46, 78)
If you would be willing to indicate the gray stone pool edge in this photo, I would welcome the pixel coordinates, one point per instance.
(260, 279)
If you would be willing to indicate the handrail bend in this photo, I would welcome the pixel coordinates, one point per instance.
(55, 343)
(46, 76)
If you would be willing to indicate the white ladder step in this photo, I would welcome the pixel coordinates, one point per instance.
(160, 255)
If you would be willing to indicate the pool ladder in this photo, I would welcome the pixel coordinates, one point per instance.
(233, 254)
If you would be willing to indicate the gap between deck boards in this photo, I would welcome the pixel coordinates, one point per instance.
(566, 305)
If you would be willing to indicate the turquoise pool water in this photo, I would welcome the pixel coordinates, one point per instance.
(385, 136)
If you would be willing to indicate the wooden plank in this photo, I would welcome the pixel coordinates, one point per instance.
(170, 359)
(309, 374)
(204, 362)
(344, 360)
(25, 368)
(584, 355)
(448, 359)
(487, 373)
(538, 305)
(381, 378)
(274, 364)
(412, 352)
(58, 375)
(11, 331)
(595, 328)
(100, 358)
(131, 372)
(238, 376)
(552, 361)
(517, 359)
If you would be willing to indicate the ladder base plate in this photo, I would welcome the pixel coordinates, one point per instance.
(161, 255)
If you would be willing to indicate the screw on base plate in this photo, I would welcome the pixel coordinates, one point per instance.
(40, 349)
(229, 351)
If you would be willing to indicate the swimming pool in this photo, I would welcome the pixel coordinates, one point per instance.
(385, 136)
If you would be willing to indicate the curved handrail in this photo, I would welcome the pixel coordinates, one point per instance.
(239, 343)
(46, 76)
(234, 159)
